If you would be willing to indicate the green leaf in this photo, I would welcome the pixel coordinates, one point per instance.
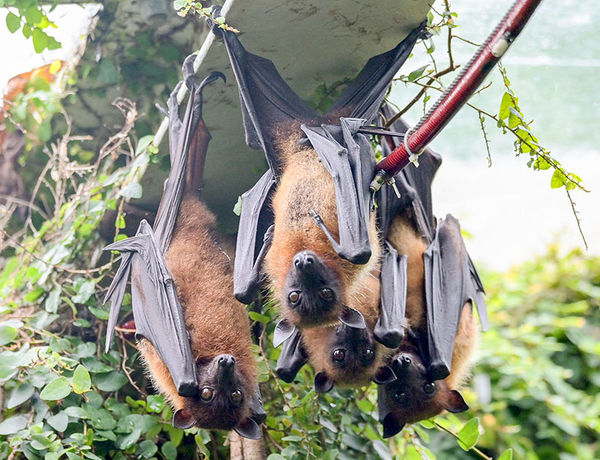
(417, 73)
(13, 22)
(558, 179)
(110, 382)
(275, 457)
(143, 143)
(541, 164)
(178, 4)
(506, 455)
(146, 449)
(469, 434)
(33, 15)
(13, 424)
(133, 190)
(44, 131)
(8, 333)
(254, 316)
(59, 388)
(99, 313)
(155, 403)
(59, 421)
(84, 291)
(237, 209)
(40, 40)
(107, 72)
(53, 300)
(125, 442)
(81, 380)
(169, 450)
(19, 395)
(505, 105)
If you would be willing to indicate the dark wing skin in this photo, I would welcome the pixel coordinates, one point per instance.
(348, 157)
(156, 309)
(292, 357)
(253, 241)
(450, 281)
(414, 187)
(268, 102)
(389, 329)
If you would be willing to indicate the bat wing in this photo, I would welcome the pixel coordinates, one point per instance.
(389, 329)
(292, 357)
(347, 156)
(266, 99)
(450, 281)
(250, 248)
(363, 97)
(156, 309)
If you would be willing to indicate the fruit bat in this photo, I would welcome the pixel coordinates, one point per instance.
(348, 356)
(195, 337)
(441, 287)
(312, 271)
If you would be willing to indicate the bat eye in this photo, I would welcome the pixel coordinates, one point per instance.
(400, 397)
(206, 394)
(429, 387)
(327, 294)
(339, 354)
(369, 354)
(294, 297)
(236, 396)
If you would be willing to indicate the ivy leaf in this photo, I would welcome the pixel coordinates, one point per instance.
(33, 15)
(13, 22)
(59, 421)
(13, 424)
(8, 332)
(84, 291)
(53, 300)
(505, 105)
(143, 144)
(59, 388)
(506, 455)
(133, 190)
(40, 40)
(110, 382)
(178, 4)
(81, 380)
(147, 449)
(558, 179)
(469, 434)
(169, 450)
(19, 395)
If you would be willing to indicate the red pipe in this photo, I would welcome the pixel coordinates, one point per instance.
(463, 86)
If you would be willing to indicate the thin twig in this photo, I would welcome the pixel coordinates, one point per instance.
(124, 367)
(577, 219)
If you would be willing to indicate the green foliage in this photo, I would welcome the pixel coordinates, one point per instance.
(29, 17)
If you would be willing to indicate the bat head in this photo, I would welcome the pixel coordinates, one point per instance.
(349, 357)
(224, 400)
(414, 396)
(312, 291)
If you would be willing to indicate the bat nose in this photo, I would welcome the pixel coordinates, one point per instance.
(305, 261)
(226, 361)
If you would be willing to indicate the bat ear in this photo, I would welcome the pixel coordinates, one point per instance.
(183, 419)
(353, 318)
(391, 425)
(454, 402)
(248, 428)
(323, 383)
(384, 375)
(283, 331)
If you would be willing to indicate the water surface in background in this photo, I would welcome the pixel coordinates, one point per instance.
(510, 211)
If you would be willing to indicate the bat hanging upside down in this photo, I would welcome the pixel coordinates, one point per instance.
(213, 384)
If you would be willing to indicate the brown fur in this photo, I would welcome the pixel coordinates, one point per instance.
(217, 323)
(304, 185)
(406, 241)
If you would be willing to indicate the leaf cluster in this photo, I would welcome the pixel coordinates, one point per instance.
(29, 17)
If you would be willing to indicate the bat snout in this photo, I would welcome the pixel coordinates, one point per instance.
(307, 264)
